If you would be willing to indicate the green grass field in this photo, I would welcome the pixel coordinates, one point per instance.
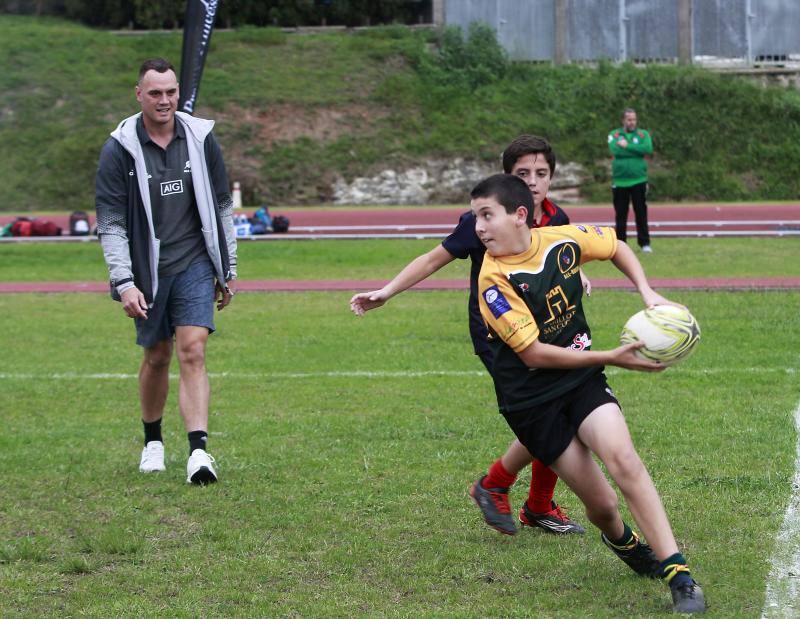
(376, 259)
(346, 447)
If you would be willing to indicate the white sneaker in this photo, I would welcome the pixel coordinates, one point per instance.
(152, 457)
(646, 249)
(199, 468)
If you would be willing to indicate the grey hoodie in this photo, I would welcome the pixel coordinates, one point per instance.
(114, 235)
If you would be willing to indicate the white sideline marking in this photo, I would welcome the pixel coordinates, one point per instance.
(784, 577)
(351, 374)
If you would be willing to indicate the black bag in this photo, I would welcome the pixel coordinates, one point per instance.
(280, 223)
(79, 224)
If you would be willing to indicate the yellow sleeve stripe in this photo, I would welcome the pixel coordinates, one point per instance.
(522, 345)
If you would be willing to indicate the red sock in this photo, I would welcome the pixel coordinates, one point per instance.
(499, 477)
(543, 482)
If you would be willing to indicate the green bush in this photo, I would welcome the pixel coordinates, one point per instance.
(464, 62)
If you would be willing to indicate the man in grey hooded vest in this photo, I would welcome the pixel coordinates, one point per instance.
(164, 218)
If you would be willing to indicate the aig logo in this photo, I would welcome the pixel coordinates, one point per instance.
(170, 187)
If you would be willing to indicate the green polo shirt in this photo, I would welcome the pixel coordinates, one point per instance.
(629, 167)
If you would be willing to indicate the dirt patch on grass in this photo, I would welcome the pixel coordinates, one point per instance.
(248, 134)
(287, 122)
(751, 182)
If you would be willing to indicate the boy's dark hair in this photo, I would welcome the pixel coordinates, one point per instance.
(155, 64)
(528, 145)
(510, 191)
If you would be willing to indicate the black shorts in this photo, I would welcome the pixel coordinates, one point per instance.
(546, 429)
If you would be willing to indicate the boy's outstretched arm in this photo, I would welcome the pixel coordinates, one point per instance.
(627, 262)
(415, 271)
(541, 355)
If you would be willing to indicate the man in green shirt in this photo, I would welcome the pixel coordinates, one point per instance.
(629, 146)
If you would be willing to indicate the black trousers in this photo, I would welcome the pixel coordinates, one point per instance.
(622, 198)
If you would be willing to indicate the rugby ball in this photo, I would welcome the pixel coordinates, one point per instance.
(669, 333)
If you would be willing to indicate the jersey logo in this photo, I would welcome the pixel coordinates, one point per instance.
(187, 167)
(598, 230)
(524, 287)
(557, 304)
(169, 188)
(581, 341)
(497, 303)
(566, 258)
(582, 229)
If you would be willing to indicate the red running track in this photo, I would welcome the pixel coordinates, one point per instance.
(665, 220)
(586, 214)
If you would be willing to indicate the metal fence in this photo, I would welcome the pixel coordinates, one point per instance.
(746, 31)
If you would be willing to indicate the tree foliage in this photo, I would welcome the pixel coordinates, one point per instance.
(149, 15)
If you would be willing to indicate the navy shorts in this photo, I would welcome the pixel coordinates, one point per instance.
(546, 429)
(487, 358)
(184, 299)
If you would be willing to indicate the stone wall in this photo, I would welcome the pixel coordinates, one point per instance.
(437, 181)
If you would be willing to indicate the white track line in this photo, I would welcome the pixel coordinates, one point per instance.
(718, 223)
(352, 374)
(293, 236)
(413, 235)
(783, 584)
(782, 227)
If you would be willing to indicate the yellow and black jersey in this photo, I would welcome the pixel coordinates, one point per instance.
(538, 295)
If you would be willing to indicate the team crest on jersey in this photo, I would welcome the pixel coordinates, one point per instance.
(566, 257)
(524, 287)
(497, 303)
(188, 167)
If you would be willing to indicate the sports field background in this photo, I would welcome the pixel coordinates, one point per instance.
(346, 447)
(356, 104)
